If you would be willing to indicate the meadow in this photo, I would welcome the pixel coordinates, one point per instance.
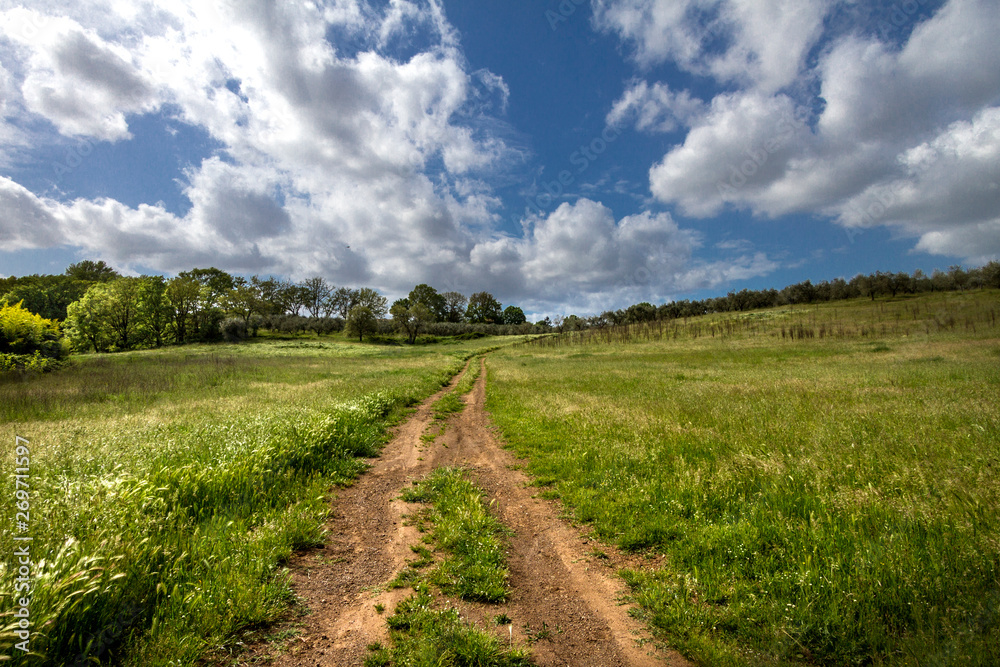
(168, 487)
(816, 484)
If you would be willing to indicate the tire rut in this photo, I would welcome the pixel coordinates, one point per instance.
(564, 600)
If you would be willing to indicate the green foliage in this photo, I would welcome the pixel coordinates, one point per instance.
(28, 343)
(409, 318)
(435, 304)
(47, 296)
(92, 272)
(484, 308)
(513, 315)
(360, 321)
(815, 502)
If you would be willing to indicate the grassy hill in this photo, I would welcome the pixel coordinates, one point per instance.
(814, 484)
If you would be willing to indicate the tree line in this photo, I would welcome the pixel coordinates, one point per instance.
(103, 311)
(868, 286)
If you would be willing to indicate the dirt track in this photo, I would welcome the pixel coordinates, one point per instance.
(554, 577)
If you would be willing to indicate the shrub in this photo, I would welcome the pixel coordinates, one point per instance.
(233, 329)
(28, 341)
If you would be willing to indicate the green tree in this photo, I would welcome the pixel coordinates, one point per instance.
(410, 318)
(315, 293)
(513, 315)
(484, 308)
(46, 296)
(23, 333)
(91, 271)
(341, 301)
(154, 310)
(455, 304)
(244, 301)
(215, 285)
(182, 295)
(372, 300)
(123, 313)
(429, 298)
(361, 320)
(87, 320)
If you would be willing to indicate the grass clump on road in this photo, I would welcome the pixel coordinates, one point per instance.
(832, 501)
(474, 568)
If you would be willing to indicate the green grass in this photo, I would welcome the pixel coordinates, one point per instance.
(474, 568)
(168, 487)
(425, 636)
(831, 500)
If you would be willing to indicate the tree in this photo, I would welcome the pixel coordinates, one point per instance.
(991, 274)
(244, 301)
(123, 311)
(90, 271)
(484, 308)
(269, 293)
(86, 321)
(23, 332)
(315, 292)
(361, 320)
(45, 296)
(454, 306)
(513, 315)
(341, 301)
(410, 318)
(371, 300)
(154, 310)
(640, 312)
(182, 295)
(429, 298)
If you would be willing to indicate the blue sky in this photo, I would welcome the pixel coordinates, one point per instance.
(567, 156)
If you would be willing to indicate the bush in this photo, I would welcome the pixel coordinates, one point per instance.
(233, 329)
(26, 339)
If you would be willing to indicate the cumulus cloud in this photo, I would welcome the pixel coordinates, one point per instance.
(731, 40)
(774, 148)
(81, 83)
(580, 255)
(654, 108)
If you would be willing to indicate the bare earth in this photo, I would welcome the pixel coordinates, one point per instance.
(554, 577)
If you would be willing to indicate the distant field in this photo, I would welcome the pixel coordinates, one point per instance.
(818, 484)
(167, 487)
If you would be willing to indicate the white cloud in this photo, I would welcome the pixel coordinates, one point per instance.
(764, 41)
(655, 108)
(880, 107)
(741, 145)
(75, 79)
(581, 256)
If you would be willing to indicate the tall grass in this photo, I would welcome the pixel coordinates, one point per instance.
(830, 501)
(168, 487)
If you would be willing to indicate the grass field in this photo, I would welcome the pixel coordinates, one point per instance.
(825, 499)
(166, 488)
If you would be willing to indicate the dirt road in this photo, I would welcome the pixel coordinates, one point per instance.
(556, 581)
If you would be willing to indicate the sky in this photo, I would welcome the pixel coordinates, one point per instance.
(564, 155)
